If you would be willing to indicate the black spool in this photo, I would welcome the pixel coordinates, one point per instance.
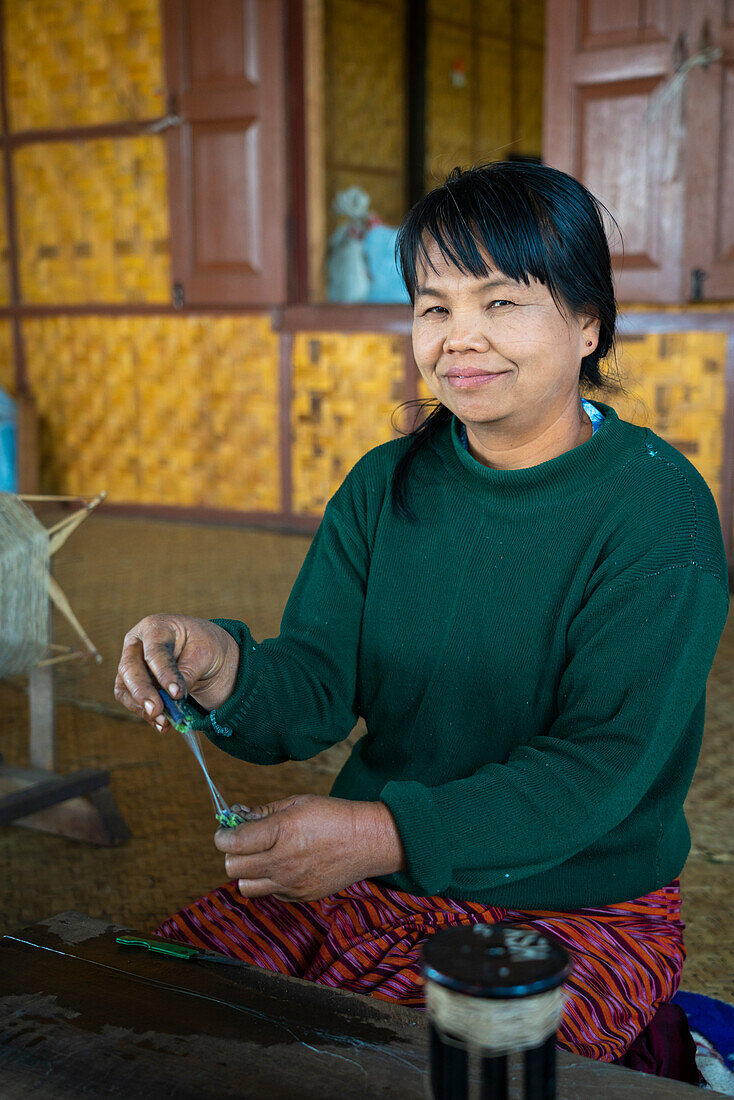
(492, 991)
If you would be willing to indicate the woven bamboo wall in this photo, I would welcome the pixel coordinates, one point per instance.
(498, 108)
(93, 221)
(345, 389)
(165, 410)
(364, 103)
(676, 385)
(184, 410)
(81, 62)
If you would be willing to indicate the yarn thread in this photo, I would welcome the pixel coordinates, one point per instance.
(24, 558)
(496, 1027)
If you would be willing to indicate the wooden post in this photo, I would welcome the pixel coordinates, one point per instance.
(416, 41)
(42, 740)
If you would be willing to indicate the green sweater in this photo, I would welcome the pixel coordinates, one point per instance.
(530, 658)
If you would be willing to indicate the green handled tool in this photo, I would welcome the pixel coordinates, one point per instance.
(159, 946)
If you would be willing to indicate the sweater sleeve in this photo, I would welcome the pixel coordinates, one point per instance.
(296, 694)
(638, 657)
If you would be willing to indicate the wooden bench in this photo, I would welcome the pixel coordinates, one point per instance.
(82, 1015)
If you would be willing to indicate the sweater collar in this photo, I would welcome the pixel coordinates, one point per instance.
(573, 471)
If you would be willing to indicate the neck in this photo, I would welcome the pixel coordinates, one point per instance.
(496, 445)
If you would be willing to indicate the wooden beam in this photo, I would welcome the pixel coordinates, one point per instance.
(416, 51)
(57, 788)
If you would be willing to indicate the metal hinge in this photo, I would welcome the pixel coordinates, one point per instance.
(697, 277)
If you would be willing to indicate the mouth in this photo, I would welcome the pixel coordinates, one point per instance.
(471, 377)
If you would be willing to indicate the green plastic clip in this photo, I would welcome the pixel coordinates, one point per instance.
(229, 819)
(159, 947)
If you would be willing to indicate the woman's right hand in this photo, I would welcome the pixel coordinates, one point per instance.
(186, 656)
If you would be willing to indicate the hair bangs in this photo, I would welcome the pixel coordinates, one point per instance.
(476, 231)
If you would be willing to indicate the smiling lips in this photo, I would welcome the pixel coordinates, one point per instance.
(463, 378)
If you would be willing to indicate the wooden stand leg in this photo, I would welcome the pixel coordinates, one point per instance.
(42, 741)
(79, 806)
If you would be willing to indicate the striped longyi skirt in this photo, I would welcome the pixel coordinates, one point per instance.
(367, 938)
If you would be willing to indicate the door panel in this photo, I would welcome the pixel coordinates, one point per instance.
(709, 245)
(624, 22)
(621, 170)
(225, 70)
(604, 64)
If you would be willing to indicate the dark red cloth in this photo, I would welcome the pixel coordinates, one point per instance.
(665, 1048)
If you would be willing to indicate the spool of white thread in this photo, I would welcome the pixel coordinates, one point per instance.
(493, 990)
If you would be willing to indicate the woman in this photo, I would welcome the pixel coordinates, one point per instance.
(523, 598)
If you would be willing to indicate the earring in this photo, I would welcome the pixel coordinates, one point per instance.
(589, 343)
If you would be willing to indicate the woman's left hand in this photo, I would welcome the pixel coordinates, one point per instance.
(306, 847)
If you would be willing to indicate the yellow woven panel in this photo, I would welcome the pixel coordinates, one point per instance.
(7, 366)
(448, 108)
(494, 89)
(4, 250)
(345, 391)
(677, 388)
(531, 21)
(81, 62)
(364, 102)
(472, 122)
(495, 16)
(165, 410)
(460, 11)
(364, 46)
(93, 221)
(529, 136)
(676, 385)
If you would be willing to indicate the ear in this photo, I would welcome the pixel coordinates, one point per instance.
(590, 326)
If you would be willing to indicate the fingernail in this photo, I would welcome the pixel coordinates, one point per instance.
(149, 707)
(173, 690)
(160, 723)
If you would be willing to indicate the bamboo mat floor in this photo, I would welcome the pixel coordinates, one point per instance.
(116, 570)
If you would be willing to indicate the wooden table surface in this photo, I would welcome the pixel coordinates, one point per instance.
(81, 1015)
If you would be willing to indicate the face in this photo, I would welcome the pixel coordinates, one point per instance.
(498, 353)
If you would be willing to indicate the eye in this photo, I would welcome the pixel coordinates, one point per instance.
(500, 302)
(434, 309)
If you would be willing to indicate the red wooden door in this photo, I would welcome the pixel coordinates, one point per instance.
(709, 241)
(225, 73)
(604, 61)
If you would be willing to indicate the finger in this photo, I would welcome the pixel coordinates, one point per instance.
(269, 808)
(245, 812)
(251, 867)
(123, 696)
(136, 679)
(158, 655)
(259, 888)
(248, 839)
(252, 813)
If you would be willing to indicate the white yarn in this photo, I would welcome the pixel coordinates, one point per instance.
(192, 739)
(24, 614)
(496, 1027)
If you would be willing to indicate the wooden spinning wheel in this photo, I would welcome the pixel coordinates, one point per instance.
(79, 805)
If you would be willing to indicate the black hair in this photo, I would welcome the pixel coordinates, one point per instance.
(532, 221)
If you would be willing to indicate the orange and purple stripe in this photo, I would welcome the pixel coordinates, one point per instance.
(367, 938)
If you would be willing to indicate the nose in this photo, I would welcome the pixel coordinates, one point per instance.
(465, 334)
